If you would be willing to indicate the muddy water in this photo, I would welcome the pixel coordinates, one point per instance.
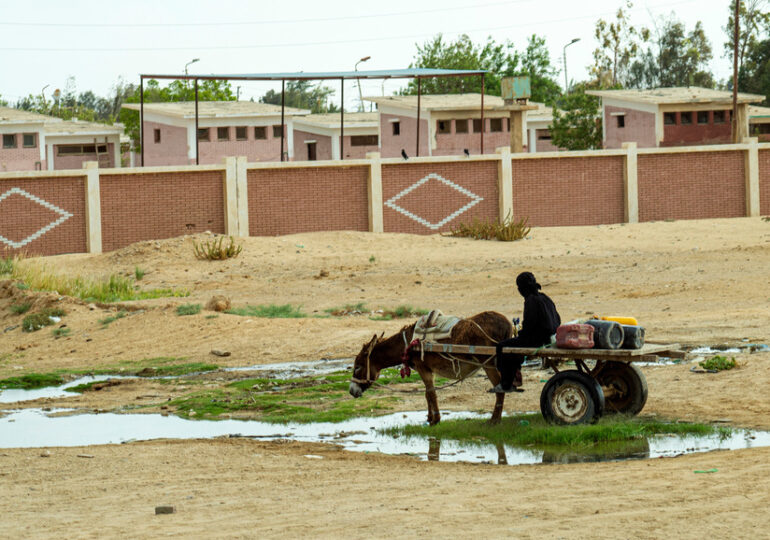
(16, 395)
(36, 428)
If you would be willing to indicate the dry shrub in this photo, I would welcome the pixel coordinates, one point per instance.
(508, 230)
(218, 303)
(215, 251)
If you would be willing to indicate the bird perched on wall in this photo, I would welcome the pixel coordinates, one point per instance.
(403, 154)
(467, 154)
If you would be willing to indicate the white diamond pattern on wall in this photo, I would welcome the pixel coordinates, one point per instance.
(474, 200)
(34, 236)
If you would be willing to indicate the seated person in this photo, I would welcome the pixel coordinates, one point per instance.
(539, 323)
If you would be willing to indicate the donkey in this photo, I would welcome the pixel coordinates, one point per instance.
(486, 328)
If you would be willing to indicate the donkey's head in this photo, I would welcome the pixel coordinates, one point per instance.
(365, 371)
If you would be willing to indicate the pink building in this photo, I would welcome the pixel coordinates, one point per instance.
(317, 136)
(225, 128)
(32, 141)
(671, 116)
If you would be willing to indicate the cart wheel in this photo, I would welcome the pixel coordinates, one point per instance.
(571, 397)
(628, 387)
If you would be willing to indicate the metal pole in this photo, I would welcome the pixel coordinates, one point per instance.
(736, 29)
(141, 117)
(482, 114)
(342, 118)
(283, 106)
(197, 149)
(419, 93)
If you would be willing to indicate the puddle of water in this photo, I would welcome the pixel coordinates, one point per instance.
(295, 370)
(15, 395)
(34, 428)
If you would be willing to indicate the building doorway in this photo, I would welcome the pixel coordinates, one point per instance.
(311, 155)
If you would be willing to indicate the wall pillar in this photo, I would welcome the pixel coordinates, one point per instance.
(231, 197)
(505, 183)
(93, 208)
(751, 160)
(374, 191)
(630, 184)
(241, 173)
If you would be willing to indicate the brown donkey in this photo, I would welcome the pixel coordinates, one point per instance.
(485, 328)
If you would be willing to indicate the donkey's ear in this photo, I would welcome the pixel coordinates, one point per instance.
(383, 333)
(374, 339)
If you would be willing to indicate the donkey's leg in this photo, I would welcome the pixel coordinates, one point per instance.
(434, 416)
(494, 378)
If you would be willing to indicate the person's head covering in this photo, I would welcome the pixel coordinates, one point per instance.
(527, 283)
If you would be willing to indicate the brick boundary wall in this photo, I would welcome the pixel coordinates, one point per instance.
(691, 185)
(568, 191)
(306, 199)
(27, 219)
(764, 182)
(153, 206)
(435, 200)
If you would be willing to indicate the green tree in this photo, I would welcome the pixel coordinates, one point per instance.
(303, 95)
(754, 76)
(676, 58)
(577, 121)
(3, 103)
(536, 62)
(208, 90)
(618, 45)
(500, 59)
(753, 18)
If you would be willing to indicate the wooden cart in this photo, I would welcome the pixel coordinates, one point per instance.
(602, 379)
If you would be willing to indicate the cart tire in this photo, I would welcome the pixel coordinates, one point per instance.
(629, 385)
(571, 397)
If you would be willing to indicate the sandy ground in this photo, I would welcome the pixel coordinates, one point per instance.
(693, 282)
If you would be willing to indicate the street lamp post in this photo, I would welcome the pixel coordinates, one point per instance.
(186, 81)
(360, 95)
(564, 57)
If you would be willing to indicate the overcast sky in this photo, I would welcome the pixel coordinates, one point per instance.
(44, 42)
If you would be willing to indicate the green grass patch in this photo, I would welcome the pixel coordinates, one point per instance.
(176, 370)
(36, 321)
(532, 430)
(269, 311)
(213, 316)
(138, 273)
(188, 309)
(311, 399)
(32, 381)
(61, 332)
(105, 322)
(718, 363)
(400, 312)
(6, 265)
(20, 309)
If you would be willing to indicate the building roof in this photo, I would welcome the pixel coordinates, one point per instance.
(332, 120)
(676, 95)
(215, 109)
(9, 115)
(440, 102)
(77, 127)
(408, 73)
(543, 112)
(758, 112)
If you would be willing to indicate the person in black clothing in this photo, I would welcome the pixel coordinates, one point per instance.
(538, 324)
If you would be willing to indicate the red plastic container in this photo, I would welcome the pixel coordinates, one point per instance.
(575, 336)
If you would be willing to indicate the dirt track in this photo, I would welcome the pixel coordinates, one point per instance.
(695, 282)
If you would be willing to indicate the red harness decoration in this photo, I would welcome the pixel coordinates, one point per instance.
(406, 371)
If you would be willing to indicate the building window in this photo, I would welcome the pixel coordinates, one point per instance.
(29, 140)
(461, 126)
(761, 129)
(277, 131)
(363, 140)
(477, 125)
(669, 118)
(719, 117)
(156, 134)
(621, 120)
(444, 126)
(396, 128)
(241, 133)
(703, 117)
(685, 118)
(9, 140)
(260, 132)
(79, 149)
(223, 133)
(203, 134)
(543, 134)
(495, 124)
